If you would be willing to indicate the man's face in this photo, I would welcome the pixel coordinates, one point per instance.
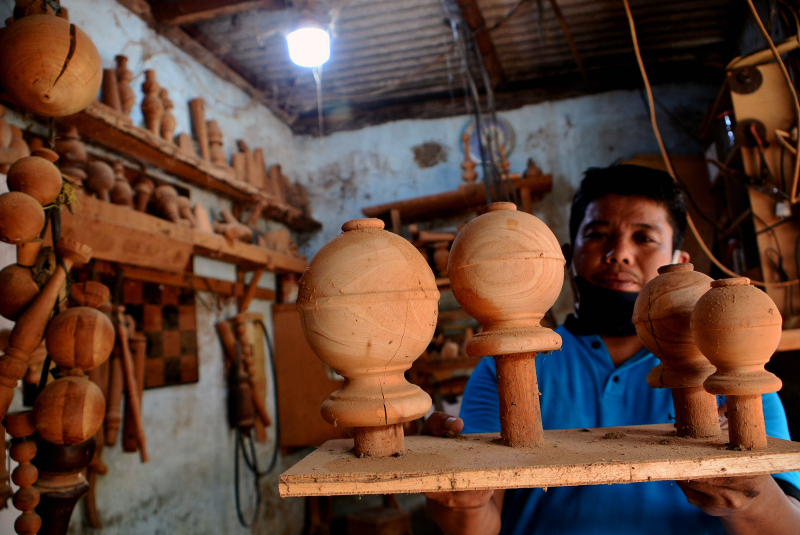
(621, 242)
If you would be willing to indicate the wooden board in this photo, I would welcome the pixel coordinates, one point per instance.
(118, 234)
(104, 125)
(303, 384)
(571, 457)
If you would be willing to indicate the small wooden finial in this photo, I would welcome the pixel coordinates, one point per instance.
(469, 175)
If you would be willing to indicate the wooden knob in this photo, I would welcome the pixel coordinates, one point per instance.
(18, 289)
(90, 294)
(363, 224)
(80, 337)
(36, 176)
(69, 410)
(21, 218)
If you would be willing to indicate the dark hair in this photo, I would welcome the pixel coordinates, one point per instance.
(630, 180)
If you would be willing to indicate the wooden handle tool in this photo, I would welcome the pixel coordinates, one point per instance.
(130, 383)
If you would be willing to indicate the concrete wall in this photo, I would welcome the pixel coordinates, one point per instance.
(187, 487)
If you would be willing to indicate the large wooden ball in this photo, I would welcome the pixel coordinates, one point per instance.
(506, 270)
(69, 410)
(18, 290)
(368, 303)
(34, 69)
(662, 316)
(80, 337)
(37, 177)
(21, 218)
(738, 328)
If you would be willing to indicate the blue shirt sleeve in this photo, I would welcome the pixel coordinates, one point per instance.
(480, 406)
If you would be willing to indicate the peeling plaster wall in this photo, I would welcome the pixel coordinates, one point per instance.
(375, 165)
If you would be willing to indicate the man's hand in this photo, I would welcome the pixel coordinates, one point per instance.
(461, 512)
(745, 504)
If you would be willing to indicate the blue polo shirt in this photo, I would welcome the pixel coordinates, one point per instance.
(581, 387)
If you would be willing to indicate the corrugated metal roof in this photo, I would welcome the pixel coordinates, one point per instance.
(387, 53)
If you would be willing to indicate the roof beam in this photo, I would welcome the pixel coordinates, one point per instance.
(190, 11)
(474, 20)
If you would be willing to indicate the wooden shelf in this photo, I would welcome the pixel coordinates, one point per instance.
(465, 198)
(571, 457)
(125, 236)
(106, 127)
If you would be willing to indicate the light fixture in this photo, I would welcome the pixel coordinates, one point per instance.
(309, 44)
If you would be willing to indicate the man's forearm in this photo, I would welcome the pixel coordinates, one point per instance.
(480, 520)
(772, 513)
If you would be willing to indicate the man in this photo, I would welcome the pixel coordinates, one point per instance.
(626, 222)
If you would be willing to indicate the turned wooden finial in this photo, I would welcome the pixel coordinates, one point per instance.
(124, 79)
(21, 218)
(71, 152)
(469, 175)
(368, 303)
(166, 199)
(506, 270)
(662, 316)
(738, 328)
(152, 107)
(122, 192)
(168, 122)
(100, 179)
(217, 154)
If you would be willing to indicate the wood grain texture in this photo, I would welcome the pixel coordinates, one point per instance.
(570, 457)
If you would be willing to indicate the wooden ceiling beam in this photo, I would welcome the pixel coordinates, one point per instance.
(191, 11)
(206, 57)
(474, 20)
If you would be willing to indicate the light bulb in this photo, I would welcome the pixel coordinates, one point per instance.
(309, 47)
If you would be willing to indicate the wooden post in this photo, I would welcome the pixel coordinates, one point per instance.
(197, 108)
(520, 413)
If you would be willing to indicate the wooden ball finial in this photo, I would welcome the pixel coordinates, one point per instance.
(368, 303)
(662, 317)
(69, 410)
(738, 328)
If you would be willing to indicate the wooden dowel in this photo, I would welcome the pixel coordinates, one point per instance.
(114, 399)
(138, 344)
(380, 441)
(111, 90)
(197, 108)
(746, 423)
(251, 291)
(130, 383)
(520, 413)
(696, 413)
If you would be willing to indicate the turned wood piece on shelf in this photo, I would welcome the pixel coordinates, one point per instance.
(357, 321)
(738, 328)
(116, 386)
(100, 178)
(186, 144)
(71, 152)
(197, 109)
(248, 362)
(232, 229)
(37, 77)
(37, 176)
(131, 386)
(202, 219)
(168, 122)
(61, 482)
(152, 107)
(143, 190)
(215, 151)
(23, 449)
(239, 164)
(18, 148)
(441, 254)
(18, 289)
(166, 200)
(124, 79)
(506, 270)
(662, 316)
(110, 94)
(276, 182)
(505, 167)
(21, 218)
(29, 329)
(185, 209)
(261, 169)
(469, 175)
(122, 192)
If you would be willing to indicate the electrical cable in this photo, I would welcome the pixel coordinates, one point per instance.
(671, 170)
(793, 193)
